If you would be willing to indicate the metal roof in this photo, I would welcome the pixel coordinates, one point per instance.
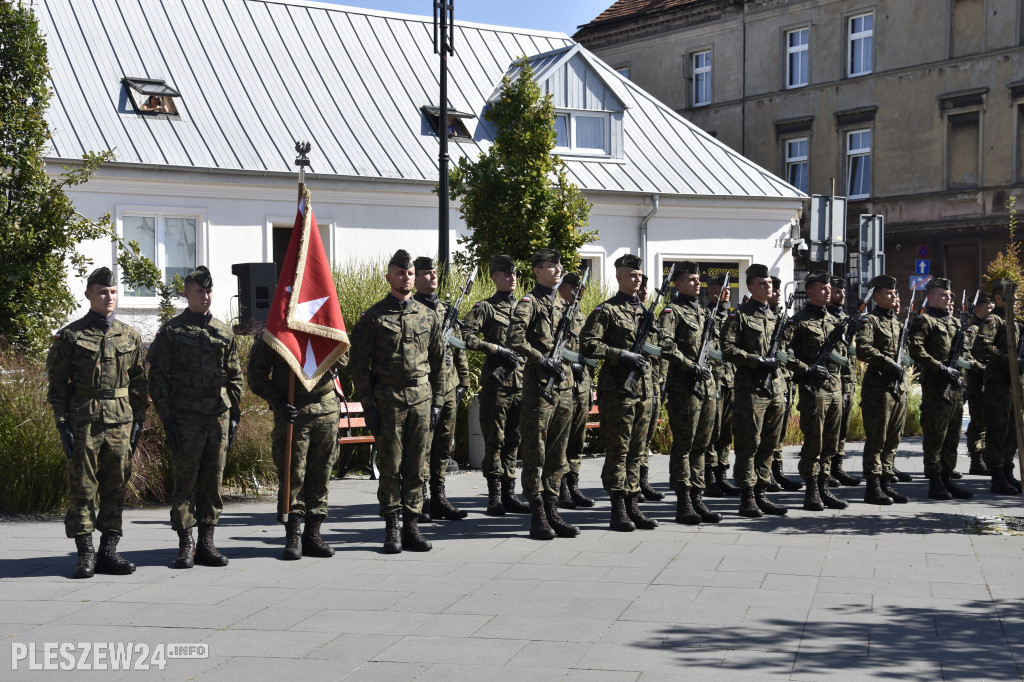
(257, 75)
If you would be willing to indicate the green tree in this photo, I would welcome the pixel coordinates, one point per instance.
(39, 228)
(516, 198)
(1006, 264)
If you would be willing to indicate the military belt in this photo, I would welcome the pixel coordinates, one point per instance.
(101, 393)
(198, 392)
(409, 383)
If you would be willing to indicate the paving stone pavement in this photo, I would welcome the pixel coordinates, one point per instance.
(907, 592)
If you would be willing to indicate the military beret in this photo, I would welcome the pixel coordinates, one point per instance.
(402, 259)
(502, 263)
(643, 280)
(572, 279)
(817, 276)
(756, 270)
(776, 283)
(550, 255)
(201, 276)
(882, 282)
(686, 267)
(424, 263)
(984, 297)
(998, 285)
(102, 276)
(628, 261)
(837, 281)
(938, 283)
(717, 279)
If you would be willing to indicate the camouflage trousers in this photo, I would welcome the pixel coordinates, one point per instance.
(656, 402)
(401, 450)
(977, 427)
(757, 423)
(940, 424)
(884, 417)
(777, 453)
(1000, 437)
(442, 440)
(499, 422)
(821, 414)
(624, 424)
(846, 408)
(545, 425)
(97, 472)
(198, 469)
(314, 451)
(692, 420)
(581, 404)
(717, 454)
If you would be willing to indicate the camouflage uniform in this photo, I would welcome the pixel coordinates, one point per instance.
(984, 335)
(582, 401)
(1001, 437)
(717, 455)
(196, 384)
(883, 397)
(849, 385)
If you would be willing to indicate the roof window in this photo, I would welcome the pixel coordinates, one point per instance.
(151, 96)
(456, 128)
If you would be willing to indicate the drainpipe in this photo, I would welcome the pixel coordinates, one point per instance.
(643, 227)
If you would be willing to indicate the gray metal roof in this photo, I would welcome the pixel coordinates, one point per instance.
(257, 75)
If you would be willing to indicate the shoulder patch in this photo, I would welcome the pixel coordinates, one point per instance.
(526, 299)
(732, 315)
(597, 309)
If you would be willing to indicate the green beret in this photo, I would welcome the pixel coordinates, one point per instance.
(776, 283)
(502, 263)
(402, 259)
(686, 267)
(550, 255)
(572, 279)
(817, 276)
(998, 285)
(938, 283)
(643, 281)
(882, 282)
(984, 298)
(201, 276)
(628, 261)
(718, 279)
(424, 263)
(837, 281)
(102, 276)
(756, 270)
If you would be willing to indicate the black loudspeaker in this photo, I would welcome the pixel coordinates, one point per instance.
(256, 285)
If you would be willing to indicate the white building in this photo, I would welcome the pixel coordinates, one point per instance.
(212, 179)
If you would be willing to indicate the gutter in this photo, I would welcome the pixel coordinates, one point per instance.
(643, 227)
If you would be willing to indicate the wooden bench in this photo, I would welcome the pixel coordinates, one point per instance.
(351, 419)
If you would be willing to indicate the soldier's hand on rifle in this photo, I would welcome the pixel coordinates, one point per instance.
(817, 372)
(136, 434)
(701, 372)
(435, 416)
(372, 418)
(173, 437)
(578, 372)
(233, 419)
(288, 411)
(460, 392)
(631, 360)
(67, 436)
(895, 371)
(554, 367)
(507, 355)
(951, 374)
(770, 364)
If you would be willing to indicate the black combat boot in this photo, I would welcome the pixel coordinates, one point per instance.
(312, 543)
(636, 516)
(565, 500)
(1000, 486)
(887, 482)
(706, 515)
(901, 477)
(512, 502)
(649, 493)
(748, 505)
(494, 505)
(840, 475)
(206, 551)
(873, 493)
(955, 475)
(556, 522)
(1008, 475)
(722, 477)
(620, 519)
(578, 497)
(780, 476)
(766, 505)
(186, 549)
(412, 539)
(86, 566)
(711, 488)
(685, 513)
(108, 560)
(425, 509)
(954, 488)
(292, 533)
(978, 467)
(773, 485)
(392, 538)
(937, 489)
(441, 507)
(827, 498)
(539, 528)
(812, 498)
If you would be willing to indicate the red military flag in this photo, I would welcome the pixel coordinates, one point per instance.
(305, 324)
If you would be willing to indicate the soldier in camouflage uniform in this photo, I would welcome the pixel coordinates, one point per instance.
(691, 393)
(716, 459)
(397, 365)
(501, 388)
(883, 395)
(1000, 311)
(760, 393)
(314, 415)
(570, 495)
(982, 323)
(658, 370)
(930, 340)
(779, 479)
(97, 389)
(609, 334)
(546, 417)
(196, 385)
(456, 380)
(837, 307)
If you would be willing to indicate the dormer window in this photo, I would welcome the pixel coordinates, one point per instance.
(151, 96)
(583, 133)
(456, 127)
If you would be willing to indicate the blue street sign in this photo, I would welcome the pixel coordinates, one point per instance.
(917, 282)
(921, 267)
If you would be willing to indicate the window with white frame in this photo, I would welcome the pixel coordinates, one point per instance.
(858, 164)
(583, 132)
(167, 240)
(701, 78)
(796, 163)
(797, 57)
(860, 44)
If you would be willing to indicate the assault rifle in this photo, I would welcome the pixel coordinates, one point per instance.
(564, 330)
(956, 349)
(776, 344)
(705, 342)
(640, 345)
(902, 359)
(839, 333)
(451, 316)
